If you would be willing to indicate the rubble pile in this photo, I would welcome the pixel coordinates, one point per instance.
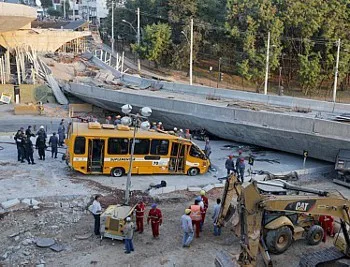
(39, 229)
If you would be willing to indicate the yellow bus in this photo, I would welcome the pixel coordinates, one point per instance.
(95, 148)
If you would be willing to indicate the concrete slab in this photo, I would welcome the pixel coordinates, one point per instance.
(43, 242)
(208, 187)
(30, 202)
(168, 189)
(181, 187)
(219, 185)
(10, 203)
(194, 189)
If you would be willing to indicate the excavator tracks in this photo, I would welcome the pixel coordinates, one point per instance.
(322, 256)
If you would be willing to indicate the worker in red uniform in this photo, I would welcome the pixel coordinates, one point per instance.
(326, 222)
(140, 212)
(155, 216)
(205, 208)
(196, 215)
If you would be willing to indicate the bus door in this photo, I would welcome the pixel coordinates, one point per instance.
(177, 158)
(96, 155)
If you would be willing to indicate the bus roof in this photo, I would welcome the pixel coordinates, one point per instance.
(83, 129)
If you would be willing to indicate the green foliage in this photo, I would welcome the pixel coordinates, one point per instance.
(53, 12)
(309, 71)
(248, 23)
(46, 3)
(303, 36)
(156, 42)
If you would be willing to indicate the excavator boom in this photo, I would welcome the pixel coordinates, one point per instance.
(246, 205)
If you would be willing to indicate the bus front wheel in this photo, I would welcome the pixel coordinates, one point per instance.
(193, 171)
(117, 172)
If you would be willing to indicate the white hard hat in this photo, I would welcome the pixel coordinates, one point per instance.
(128, 219)
(160, 122)
(42, 127)
(175, 129)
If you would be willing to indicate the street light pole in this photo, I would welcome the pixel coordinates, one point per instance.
(336, 72)
(267, 63)
(191, 51)
(112, 27)
(138, 38)
(146, 112)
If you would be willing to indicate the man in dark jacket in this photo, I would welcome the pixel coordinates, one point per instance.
(53, 142)
(29, 133)
(41, 133)
(41, 146)
(229, 165)
(20, 149)
(29, 151)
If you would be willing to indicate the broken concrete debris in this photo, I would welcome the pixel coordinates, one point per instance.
(44, 242)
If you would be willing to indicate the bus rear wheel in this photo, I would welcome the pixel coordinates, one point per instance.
(117, 172)
(193, 171)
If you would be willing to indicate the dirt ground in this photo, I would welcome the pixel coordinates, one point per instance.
(64, 221)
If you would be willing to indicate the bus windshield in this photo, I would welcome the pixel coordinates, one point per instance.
(196, 152)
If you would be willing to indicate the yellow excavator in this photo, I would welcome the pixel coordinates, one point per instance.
(246, 207)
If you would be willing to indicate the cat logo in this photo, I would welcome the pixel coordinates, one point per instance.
(301, 206)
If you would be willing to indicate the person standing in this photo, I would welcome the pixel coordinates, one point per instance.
(188, 134)
(41, 133)
(41, 146)
(217, 207)
(20, 149)
(29, 151)
(229, 165)
(117, 120)
(156, 218)
(207, 148)
(196, 215)
(61, 133)
(29, 133)
(96, 211)
(205, 206)
(128, 231)
(140, 212)
(240, 169)
(108, 120)
(187, 227)
(53, 142)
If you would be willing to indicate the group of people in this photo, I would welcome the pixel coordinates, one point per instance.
(154, 218)
(237, 167)
(115, 121)
(25, 145)
(191, 222)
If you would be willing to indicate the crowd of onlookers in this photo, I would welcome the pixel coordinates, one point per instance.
(25, 140)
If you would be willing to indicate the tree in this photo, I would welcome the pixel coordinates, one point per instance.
(309, 71)
(155, 43)
(248, 23)
(46, 3)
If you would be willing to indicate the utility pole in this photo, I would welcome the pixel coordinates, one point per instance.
(112, 27)
(64, 9)
(74, 10)
(267, 63)
(336, 72)
(191, 51)
(219, 74)
(138, 38)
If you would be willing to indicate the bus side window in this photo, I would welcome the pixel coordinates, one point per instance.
(141, 146)
(159, 147)
(118, 146)
(79, 145)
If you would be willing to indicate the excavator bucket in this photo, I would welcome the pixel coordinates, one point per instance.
(225, 259)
